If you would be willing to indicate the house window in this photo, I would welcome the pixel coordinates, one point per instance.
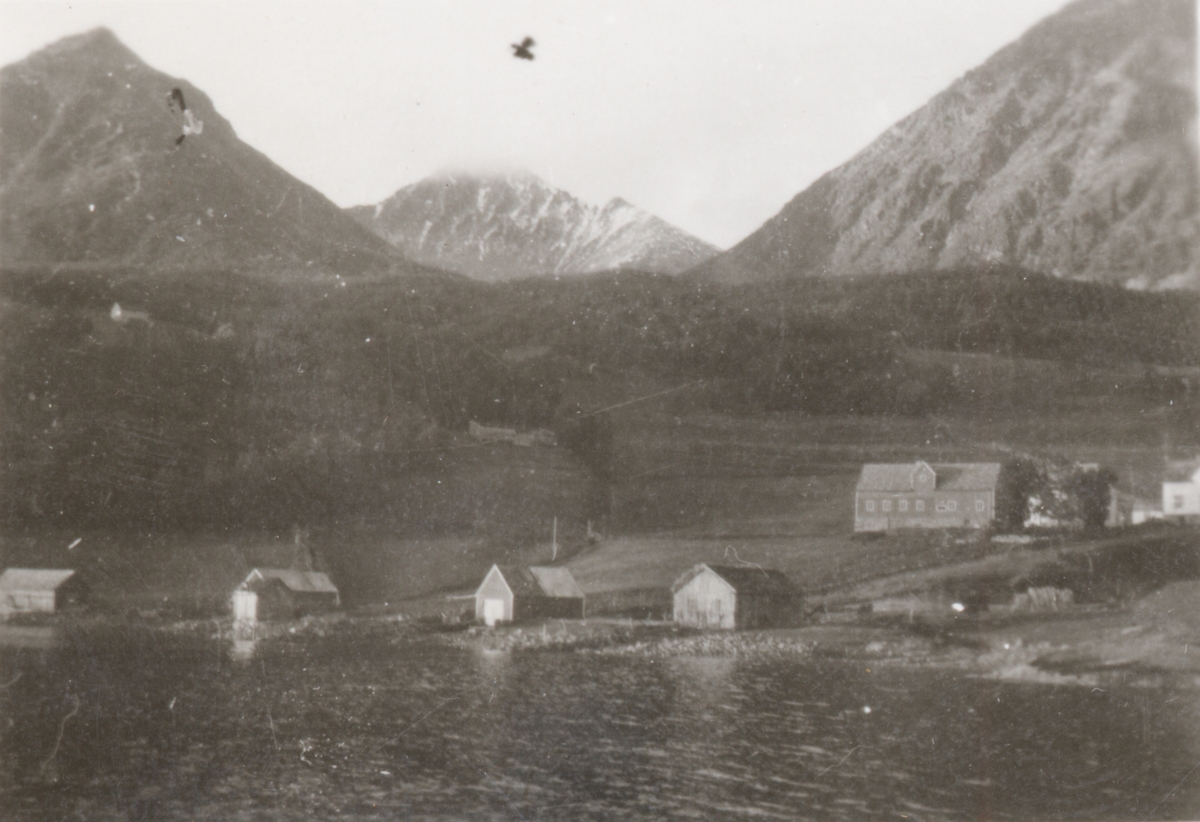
(903, 505)
(870, 505)
(1178, 501)
(979, 505)
(920, 505)
(952, 505)
(887, 505)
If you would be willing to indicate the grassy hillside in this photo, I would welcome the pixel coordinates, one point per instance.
(778, 490)
(439, 530)
(219, 403)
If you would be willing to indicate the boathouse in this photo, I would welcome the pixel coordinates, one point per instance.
(723, 596)
(278, 593)
(511, 593)
(40, 590)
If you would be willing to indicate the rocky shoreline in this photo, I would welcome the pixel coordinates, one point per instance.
(1153, 639)
(1150, 641)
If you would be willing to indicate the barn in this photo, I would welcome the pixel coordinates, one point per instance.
(512, 593)
(277, 593)
(40, 590)
(723, 596)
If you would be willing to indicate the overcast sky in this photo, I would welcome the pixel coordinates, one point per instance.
(710, 114)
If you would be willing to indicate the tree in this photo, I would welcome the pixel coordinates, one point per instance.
(1092, 488)
(1020, 479)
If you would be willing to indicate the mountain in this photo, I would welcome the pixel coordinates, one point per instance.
(506, 226)
(91, 172)
(1070, 152)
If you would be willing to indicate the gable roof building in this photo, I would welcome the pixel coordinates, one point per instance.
(282, 593)
(511, 593)
(925, 495)
(1181, 490)
(40, 590)
(729, 596)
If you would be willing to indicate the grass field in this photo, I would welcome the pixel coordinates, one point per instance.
(688, 485)
(778, 490)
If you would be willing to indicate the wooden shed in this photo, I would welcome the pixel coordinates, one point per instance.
(723, 596)
(278, 593)
(40, 590)
(512, 593)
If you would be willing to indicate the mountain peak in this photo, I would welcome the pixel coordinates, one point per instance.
(98, 45)
(100, 35)
(1070, 152)
(512, 224)
(96, 167)
(617, 203)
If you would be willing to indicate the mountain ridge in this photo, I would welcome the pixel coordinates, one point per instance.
(1071, 151)
(94, 170)
(501, 226)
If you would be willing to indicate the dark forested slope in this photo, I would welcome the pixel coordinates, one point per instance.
(214, 397)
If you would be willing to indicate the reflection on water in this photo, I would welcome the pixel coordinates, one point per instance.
(242, 650)
(386, 727)
(706, 674)
(27, 636)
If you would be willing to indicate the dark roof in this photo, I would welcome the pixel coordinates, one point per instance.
(955, 476)
(308, 582)
(34, 579)
(557, 582)
(542, 580)
(745, 579)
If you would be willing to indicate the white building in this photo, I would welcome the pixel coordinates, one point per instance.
(40, 590)
(1181, 490)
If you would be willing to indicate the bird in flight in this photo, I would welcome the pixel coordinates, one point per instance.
(521, 50)
(190, 124)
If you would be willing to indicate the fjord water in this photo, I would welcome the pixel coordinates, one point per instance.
(130, 723)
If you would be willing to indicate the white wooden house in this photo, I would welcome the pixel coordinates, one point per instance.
(1181, 491)
(925, 495)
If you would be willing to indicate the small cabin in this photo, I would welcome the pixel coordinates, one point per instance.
(277, 593)
(728, 597)
(40, 590)
(512, 593)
